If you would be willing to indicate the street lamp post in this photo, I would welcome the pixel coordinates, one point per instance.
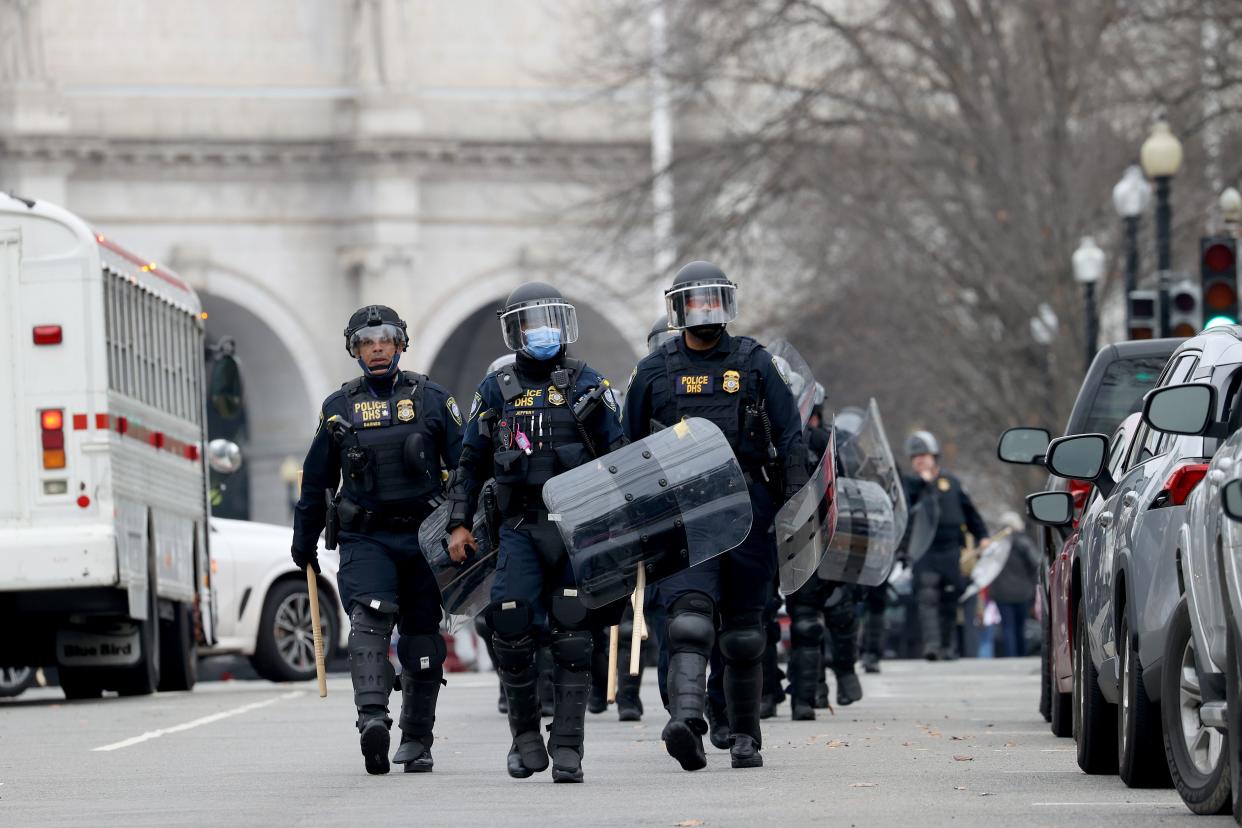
(1161, 157)
(1131, 196)
(1088, 263)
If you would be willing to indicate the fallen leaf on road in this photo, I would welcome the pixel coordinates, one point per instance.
(959, 787)
(836, 743)
(985, 793)
(961, 757)
(907, 744)
(958, 738)
(1011, 744)
(935, 733)
(862, 785)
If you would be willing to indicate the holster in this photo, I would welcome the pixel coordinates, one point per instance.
(332, 527)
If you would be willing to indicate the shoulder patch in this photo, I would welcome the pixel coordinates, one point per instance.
(610, 397)
(476, 405)
(633, 374)
(453, 410)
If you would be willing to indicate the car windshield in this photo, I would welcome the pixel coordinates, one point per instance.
(1121, 392)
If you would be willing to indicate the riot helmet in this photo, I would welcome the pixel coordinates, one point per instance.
(375, 323)
(500, 362)
(537, 319)
(660, 333)
(922, 442)
(702, 300)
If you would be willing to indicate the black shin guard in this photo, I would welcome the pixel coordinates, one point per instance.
(370, 671)
(742, 648)
(419, 692)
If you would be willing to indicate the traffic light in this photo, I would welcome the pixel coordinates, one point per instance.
(1185, 314)
(1218, 268)
(1143, 314)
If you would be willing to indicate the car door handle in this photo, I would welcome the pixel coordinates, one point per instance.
(1129, 499)
(1106, 518)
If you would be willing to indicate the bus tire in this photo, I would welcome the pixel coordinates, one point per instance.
(80, 683)
(143, 678)
(178, 652)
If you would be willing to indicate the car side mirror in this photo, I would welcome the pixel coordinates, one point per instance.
(224, 456)
(1023, 446)
(1180, 409)
(1231, 499)
(1051, 508)
(1081, 457)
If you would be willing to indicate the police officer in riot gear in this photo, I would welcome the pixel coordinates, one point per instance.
(733, 382)
(384, 437)
(545, 414)
(938, 580)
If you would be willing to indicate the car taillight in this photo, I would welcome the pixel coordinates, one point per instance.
(1180, 484)
(47, 334)
(52, 426)
(1079, 489)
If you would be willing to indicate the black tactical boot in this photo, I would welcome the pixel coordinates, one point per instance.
(629, 702)
(567, 730)
(527, 754)
(743, 685)
(718, 725)
(745, 752)
(871, 663)
(598, 700)
(374, 742)
(821, 692)
(418, 716)
(849, 688)
(804, 674)
(687, 694)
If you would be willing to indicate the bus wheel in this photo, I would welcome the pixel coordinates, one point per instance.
(144, 677)
(80, 684)
(178, 653)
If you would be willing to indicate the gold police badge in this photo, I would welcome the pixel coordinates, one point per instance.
(943, 485)
(732, 382)
(405, 410)
(555, 397)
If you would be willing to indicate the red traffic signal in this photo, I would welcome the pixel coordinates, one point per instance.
(1218, 271)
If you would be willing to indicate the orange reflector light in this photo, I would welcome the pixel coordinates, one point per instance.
(54, 459)
(53, 419)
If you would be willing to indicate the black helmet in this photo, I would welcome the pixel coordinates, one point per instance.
(701, 295)
(922, 442)
(537, 306)
(382, 318)
(659, 334)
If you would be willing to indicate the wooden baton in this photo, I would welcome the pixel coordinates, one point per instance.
(312, 586)
(636, 637)
(614, 644)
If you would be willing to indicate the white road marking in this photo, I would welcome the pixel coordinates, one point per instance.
(214, 717)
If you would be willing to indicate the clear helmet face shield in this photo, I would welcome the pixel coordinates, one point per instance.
(360, 339)
(540, 323)
(704, 304)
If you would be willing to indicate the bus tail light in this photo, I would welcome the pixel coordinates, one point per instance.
(52, 423)
(47, 335)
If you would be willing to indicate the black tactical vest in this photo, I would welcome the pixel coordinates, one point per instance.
(535, 436)
(952, 515)
(381, 428)
(719, 392)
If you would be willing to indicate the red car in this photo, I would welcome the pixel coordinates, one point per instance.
(1113, 388)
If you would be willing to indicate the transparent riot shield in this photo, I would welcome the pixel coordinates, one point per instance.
(991, 561)
(863, 453)
(465, 588)
(805, 524)
(797, 373)
(924, 517)
(864, 546)
(667, 502)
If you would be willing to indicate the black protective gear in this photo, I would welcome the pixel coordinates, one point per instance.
(598, 701)
(700, 272)
(629, 701)
(773, 689)
(849, 688)
(742, 648)
(806, 638)
(875, 600)
(701, 300)
(691, 634)
(376, 451)
(308, 558)
(420, 653)
(745, 752)
(372, 674)
(373, 315)
(571, 687)
(937, 602)
(841, 622)
(871, 662)
(572, 649)
(514, 644)
(419, 691)
(544, 661)
(485, 634)
(373, 739)
(718, 724)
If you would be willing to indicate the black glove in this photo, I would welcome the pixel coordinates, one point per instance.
(303, 559)
(795, 478)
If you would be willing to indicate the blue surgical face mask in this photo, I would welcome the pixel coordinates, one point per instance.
(543, 343)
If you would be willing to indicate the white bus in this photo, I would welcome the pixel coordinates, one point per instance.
(104, 566)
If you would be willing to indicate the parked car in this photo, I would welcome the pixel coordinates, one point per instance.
(1231, 559)
(264, 605)
(1113, 388)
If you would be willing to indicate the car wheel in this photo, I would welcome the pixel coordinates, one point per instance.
(1095, 722)
(1062, 713)
(285, 650)
(1045, 672)
(1196, 754)
(178, 653)
(1233, 715)
(1140, 751)
(15, 680)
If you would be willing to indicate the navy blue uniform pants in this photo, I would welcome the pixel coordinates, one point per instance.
(388, 566)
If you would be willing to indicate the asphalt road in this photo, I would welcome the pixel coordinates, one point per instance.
(931, 744)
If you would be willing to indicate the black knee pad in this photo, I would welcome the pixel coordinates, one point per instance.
(514, 655)
(567, 610)
(742, 644)
(572, 649)
(691, 627)
(418, 653)
(806, 630)
(509, 619)
(365, 620)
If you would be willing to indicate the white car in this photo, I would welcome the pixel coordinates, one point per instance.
(263, 605)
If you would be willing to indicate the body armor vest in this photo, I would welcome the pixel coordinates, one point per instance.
(535, 436)
(720, 392)
(374, 457)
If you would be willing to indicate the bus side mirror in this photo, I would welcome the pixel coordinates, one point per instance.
(224, 456)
